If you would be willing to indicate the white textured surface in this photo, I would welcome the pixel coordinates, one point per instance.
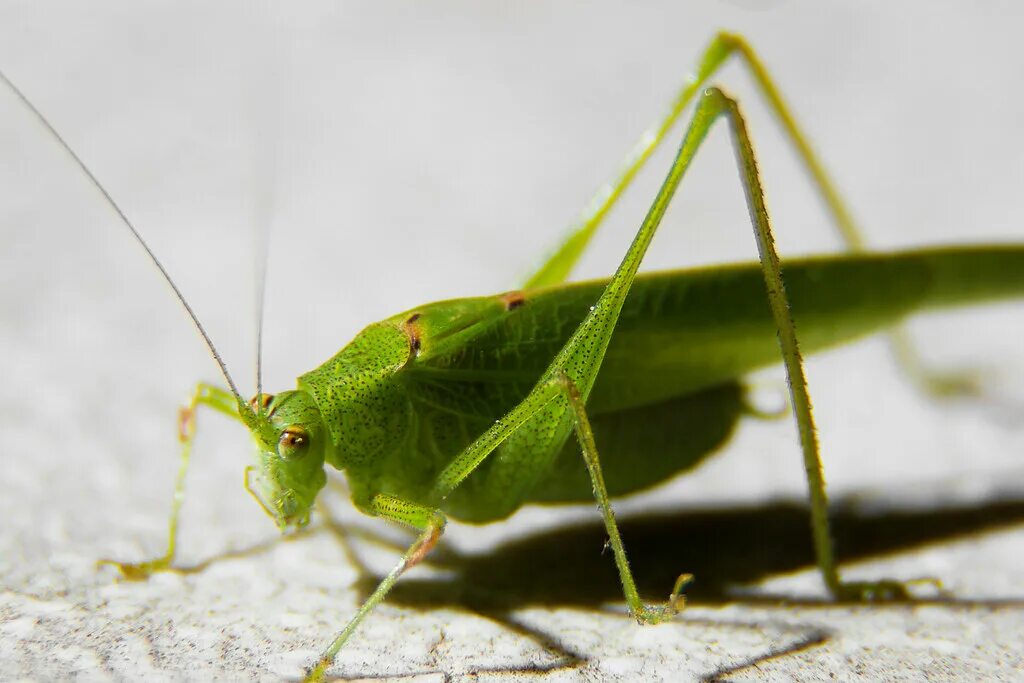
(414, 151)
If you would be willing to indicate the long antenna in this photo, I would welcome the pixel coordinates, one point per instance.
(266, 180)
(261, 289)
(124, 219)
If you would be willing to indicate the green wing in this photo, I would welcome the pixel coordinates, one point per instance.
(667, 395)
(682, 331)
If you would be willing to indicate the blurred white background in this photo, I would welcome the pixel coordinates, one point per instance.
(403, 152)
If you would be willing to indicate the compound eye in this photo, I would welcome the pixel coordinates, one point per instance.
(293, 442)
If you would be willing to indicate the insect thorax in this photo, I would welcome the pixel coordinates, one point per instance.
(363, 406)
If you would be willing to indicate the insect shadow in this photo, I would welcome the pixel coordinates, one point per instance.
(724, 547)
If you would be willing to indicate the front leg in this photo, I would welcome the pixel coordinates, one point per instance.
(205, 395)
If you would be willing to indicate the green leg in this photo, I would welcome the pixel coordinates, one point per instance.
(646, 614)
(795, 373)
(580, 359)
(558, 266)
(206, 395)
(558, 392)
(555, 395)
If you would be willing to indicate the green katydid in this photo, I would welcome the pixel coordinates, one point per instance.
(471, 408)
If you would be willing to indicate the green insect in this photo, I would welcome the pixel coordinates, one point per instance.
(471, 408)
